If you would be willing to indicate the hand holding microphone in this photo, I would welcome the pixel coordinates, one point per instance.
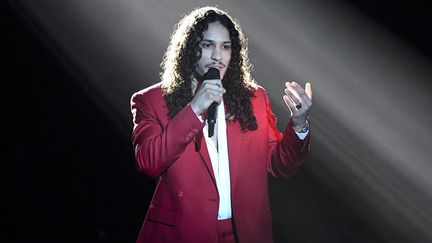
(208, 97)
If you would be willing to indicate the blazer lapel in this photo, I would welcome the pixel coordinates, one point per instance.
(201, 147)
(234, 150)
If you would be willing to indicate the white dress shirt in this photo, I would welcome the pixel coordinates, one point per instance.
(220, 161)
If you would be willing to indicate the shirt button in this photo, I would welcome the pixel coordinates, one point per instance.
(180, 194)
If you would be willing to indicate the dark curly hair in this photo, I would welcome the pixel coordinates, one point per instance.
(184, 51)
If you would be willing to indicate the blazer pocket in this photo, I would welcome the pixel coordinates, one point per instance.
(163, 215)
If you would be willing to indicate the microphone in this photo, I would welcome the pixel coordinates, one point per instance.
(212, 73)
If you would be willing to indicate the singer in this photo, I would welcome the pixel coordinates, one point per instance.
(213, 187)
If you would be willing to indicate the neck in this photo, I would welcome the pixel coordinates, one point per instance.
(195, 85)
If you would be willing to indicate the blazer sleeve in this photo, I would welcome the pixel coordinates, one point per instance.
(157, 145)
(287, 150)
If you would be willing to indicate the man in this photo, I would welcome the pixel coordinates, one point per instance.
(213, 188)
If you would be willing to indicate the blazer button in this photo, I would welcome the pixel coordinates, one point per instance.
(180, 194)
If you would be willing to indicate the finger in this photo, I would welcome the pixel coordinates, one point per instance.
(297, 89)
(216, 82)
(212, 80)
(300, 93)
(216, 86)
(213, 84)
(308, 89)
(214, 94)
(290, 103)
(298, 107)
(292, 94)
(216, 98)
(293, 84)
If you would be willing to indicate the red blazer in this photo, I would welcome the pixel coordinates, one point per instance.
(185, 203)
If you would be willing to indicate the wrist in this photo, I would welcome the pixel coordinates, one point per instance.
(195, 109)
(304, 128)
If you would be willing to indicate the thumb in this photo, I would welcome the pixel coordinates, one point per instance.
(308, 89)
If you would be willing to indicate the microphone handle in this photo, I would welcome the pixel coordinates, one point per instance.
(212, 73)
(211, 118)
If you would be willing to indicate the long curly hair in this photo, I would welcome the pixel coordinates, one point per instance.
(184, 51)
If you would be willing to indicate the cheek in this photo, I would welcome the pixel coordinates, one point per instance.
(227, 57)
(228, 60)
(202, 60)
(205, 54)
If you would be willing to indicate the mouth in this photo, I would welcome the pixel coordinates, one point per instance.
(218, 66)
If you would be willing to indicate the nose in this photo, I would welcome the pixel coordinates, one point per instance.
(216, 54)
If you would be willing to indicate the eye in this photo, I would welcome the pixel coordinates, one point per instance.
(206, 45)
(227, 47)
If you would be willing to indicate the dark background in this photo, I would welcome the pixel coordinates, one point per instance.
(71, 186)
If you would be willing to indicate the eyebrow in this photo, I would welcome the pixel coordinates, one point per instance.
(212, 41)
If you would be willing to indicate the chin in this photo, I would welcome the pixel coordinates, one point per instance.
(222, 73)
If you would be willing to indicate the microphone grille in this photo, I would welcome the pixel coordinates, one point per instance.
(212, 73)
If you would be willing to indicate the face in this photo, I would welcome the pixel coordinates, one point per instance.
(216, 49)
